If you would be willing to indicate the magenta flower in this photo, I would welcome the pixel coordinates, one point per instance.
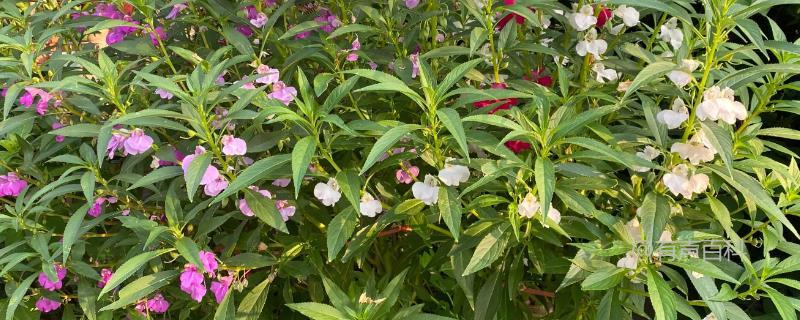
(352, 57)
(30, 94)
(220, 288)
(245, 30)
(97, 208)
(332, 22)
(411, 4)
(303, 35)
(356, 45)
(221, 79)
(26, 99)
(269, 3)
(116, 141)
(281, 182)
(45, 305)
(414, 64)
(45, 282)
(192, 282)
(270, 75)
(215, 187)
(108, 11)
(285, 209)
(164, 94)
(406, 176)
(251, 12)
(58, 125)
(243, 204)
(282, 92)
(176, 9)
(209, 260)
(138, 142)
(248, 86)
(141, 307)
(233, 146)
(11, 185)
(114, 36)
(158, 35)
(211, 173)
(373, 65)
(105, 275)
(158, 304)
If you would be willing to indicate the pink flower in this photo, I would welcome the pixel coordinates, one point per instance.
(285, 209)
(26, 99)
(176, 9)
(259, 21)
(233, 146)
(332, 22)
(164, 94)
(114, 36)
(209, 260)
(97, 208)
(352, 57)
(281, 182)
(211, 173)
(411, 4)
(269, 3)
(116, 141)
(141, 307)
(158, 35)
(245, 30)
(282, 92)
(270, 75)
(105, 275)
(45, 305)
(414, 64)
(517, 146)
(137, 142)
(58, 125)
(192, 282)
(243, 204)
(45, 282)
(303, 35)
(251, 12)
(221, 79)
(11, 185)
(604, 16)
(30, 94)
(216, 186)
(356, 45)
(220, 288)
(373, 65)
(158, 304)
(407, 176)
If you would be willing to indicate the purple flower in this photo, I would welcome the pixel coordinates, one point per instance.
(303, 35)
(114, 36)
(281, 182)
(352, 57)
(270, 75)
(282, 92)
(215, 187)
(45, 282)
(105, 275)
(176, 9)
(285, 209)
(158, 304)
(259, 21)
(97, 208)
(243, 204)
(26, 99)
(192, 282)
(211, 173)
(414, 64)
(269, 3)
(209, 260)
(332, 22)
(220, 288)
(137, 142)
(116, 141)
(45, 305)
(233, 146)
(245, 30)
(108, 11)
(30, 94)
(251, 11)
(11, 185)
(411, 4)
(356, 45)
(164, 94)
(373, 65)
(221, 79)
(158, 35)
(58, 125)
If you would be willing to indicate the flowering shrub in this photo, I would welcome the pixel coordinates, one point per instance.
(397, 160)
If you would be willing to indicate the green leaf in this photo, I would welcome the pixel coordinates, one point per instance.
(302, 154)
(648, 74)
(72, 231)
(190, 251)
(782, 303)
(253, 173)
(392, 83)
(81, 130)
(110, 23)
(748, 75)
(450, 209)
(386, 141)
(157, 175)
(253, 303)
(127, 269)
(661, 296)
(16, 297)
(489, 298)
(197, 168)
(87, 185)
(86, 293)
(452, 121)
(627, 159)
(580, 121)
(703, 267)
(238, 40)
(141, 288)
(226, 310)
(318, 311)
(784, 133)
(350, 184)
(301, 27)
(339, 231)
(264, 208)
(494, 120)
(545, 177)
(352, 28)
(491, 247)
(338, 297)
(604, 279)
(454, 76)
(721, 140)
(654, 212)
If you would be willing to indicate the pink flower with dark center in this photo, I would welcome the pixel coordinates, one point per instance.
(58, 125)
(45, 305)
(105, 275)
(406, 176)
(209, 260)
(282, 92)
(138, 142)
(45, 282)
(158, 304)
(259, 21)
(270, 75)
(220, 288)
(192, 282)
(11, 185)
(176, 9)
(233, 146)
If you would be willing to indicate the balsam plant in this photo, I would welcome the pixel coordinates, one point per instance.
(465, 159)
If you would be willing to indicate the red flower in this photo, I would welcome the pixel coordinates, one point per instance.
(503, 22)
(517, 146)
(538, 77)
(509, 2)
(603, 16)
(127, 8)
(505, 105)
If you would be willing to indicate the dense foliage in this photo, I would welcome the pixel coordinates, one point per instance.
(391, 159)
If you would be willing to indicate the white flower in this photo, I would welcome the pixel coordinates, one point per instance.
(328, 193)
(666, 236)
(553, 214)
(545, 21)
(671, 33)
(427, 191)
(369, 206)
(561, 60)
(604, 74)
(683, 76)
(629, 15)
(719, 104)
(583, 19)
(649, 153)
(679, 181)
(453, 174)
(710, 316)
(590, 44)
(529, 206)
(695, 150)
(629, 261)
(634, 229)
(673, 118)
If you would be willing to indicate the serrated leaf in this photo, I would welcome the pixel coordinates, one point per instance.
(490, 248)
(339, 231)
(386, 141)
(141, 288)
(350, 184)
(452, 121)
(264, 208)
(302, 154)
(195, 173)
(128, 268)
(661, 296)
(450, 209)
